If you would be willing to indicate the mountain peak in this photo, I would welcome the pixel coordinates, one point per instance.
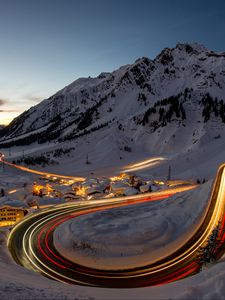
(195, 48)
(167, 55)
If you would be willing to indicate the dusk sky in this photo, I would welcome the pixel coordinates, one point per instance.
(47, 44)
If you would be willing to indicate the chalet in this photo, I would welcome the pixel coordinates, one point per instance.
(71, 196)
(11, 211)
(10, 215)
(118, 188)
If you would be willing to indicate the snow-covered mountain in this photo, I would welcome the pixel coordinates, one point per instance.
(175, 102)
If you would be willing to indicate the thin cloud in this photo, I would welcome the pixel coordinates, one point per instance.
(8, 111)
(33, 98)
(3, 101)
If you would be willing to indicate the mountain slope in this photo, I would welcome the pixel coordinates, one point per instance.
(172, 104)
(127, 91)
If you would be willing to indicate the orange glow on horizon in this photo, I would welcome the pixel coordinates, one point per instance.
(7, 117)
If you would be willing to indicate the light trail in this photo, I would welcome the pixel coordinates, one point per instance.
(143, 164)
(12, 191)
(35, 225)
(75, 178)
(31, 242)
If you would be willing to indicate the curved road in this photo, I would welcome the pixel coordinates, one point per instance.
(31, 244)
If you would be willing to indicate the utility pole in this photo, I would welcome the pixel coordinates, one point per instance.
(87, 161)
(169, 173)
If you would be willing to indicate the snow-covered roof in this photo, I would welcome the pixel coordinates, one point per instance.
(144, 188)
(49, 201)
(93, 189)
(119, 185)
(130, 191)
(6, 201)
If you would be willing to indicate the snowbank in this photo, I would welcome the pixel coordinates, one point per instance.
(135, 235)
(20, 283)
(7, 201)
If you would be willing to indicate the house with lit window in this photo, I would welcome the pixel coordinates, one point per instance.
(71, 196)
(11, 211)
